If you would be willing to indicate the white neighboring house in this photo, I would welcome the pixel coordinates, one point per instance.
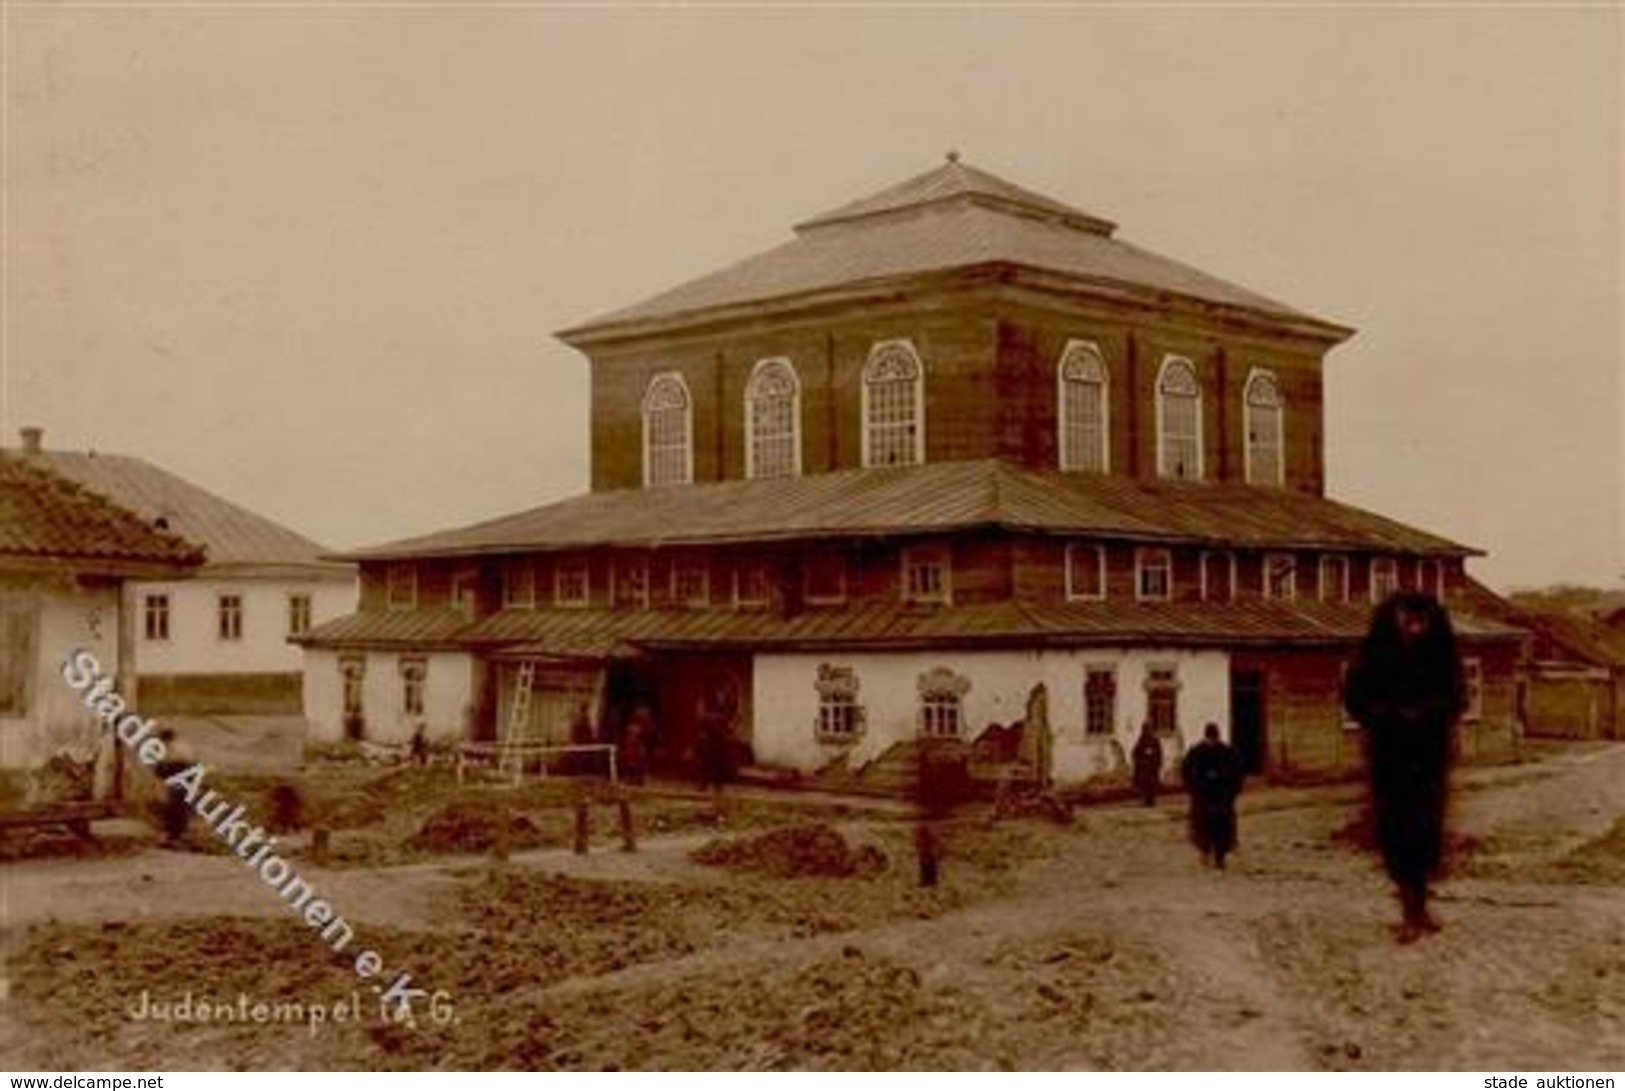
(217, 643)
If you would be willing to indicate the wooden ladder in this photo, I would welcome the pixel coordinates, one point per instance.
(518, 727)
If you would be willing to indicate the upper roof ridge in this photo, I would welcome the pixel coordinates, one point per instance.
(956, 181)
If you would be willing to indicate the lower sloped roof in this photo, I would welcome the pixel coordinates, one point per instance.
(926, 499)
(602, 634)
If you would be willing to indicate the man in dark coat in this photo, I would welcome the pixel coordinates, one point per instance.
(1405, 689)
(1212, 775)
(1147, 765)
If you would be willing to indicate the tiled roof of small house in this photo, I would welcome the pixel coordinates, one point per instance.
(44, 516)
(601, 633)
(1578, 638)
(232, 535)
(954, 217)
(926, 499)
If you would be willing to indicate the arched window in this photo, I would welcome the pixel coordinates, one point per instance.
(1083, 407)
(893, 406)
(773, 420)
(1263, 420)
(667, 431)
(1179, 420)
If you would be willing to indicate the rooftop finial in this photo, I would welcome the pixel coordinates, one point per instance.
(953, 155)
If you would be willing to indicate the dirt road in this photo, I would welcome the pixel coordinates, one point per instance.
(1099, 945)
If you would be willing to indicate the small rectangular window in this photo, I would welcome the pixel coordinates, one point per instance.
(1099, 700)
(414, 674)
(1472, 672)
(230, 617)
(1384, 578)
(1162, 699)
(156, 616)
(691, 583)
(631, 583)
(753, 584)
(465, 590)
(1334, 578)
(1280, 577)
(926, 575)
(1218, 577)
(518, 585)
(1085, 572)
(298, 614)
(570, 584)
(403, 587)
(823, 577)
(1153, 575)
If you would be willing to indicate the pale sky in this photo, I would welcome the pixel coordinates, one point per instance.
(312, 257)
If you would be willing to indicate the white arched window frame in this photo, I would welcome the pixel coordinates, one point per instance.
(1083, 420)
(773, 420)
(668, 431)
(893, 406)
(1264, 419)
(1179, 419)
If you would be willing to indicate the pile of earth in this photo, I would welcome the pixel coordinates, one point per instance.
(472, 827)
(814, 849)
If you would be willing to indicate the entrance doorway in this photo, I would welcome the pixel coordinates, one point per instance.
(1248, 720)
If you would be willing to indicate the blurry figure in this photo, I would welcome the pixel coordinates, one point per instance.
(1147, 757)
(941, 782)
(1405, 688)
(1212, 775)
(419, 751)
(715, 742)
(174, 810)
(633, 758)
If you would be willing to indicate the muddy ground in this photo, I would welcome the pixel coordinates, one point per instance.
(1102, 944)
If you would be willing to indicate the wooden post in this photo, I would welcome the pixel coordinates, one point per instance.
(499, 846)
(318, 844)
(583, 827)
(629, 834)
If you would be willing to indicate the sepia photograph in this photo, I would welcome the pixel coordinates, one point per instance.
(668, 537)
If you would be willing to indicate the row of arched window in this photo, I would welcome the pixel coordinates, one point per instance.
(893, 415)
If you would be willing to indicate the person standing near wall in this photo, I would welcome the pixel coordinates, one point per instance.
(1406, 690)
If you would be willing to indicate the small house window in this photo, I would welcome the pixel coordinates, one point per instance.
(1099, 700)
(298, 614)
(893, 406)
(1334, 578)
(823, 579)
(1179, 420)
(840, 716)
(667, 431)
(352, 674)
(156, 616)
(1153, 575)
(1218, 577)
(414, 673)
(1081, 374)
(926, 575)
(942, 696)
(1280, 577)
(1384, 578)
(1472, 677)
(691, 583)
(753, 584)
(1264, 412)
(631, 581)
(229, 611)
(570, 586)
(402, 587)
(519, 585)
(773, 420)
(464, 590)
(1085, 572)
(1430, 577)
(1162, 699)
